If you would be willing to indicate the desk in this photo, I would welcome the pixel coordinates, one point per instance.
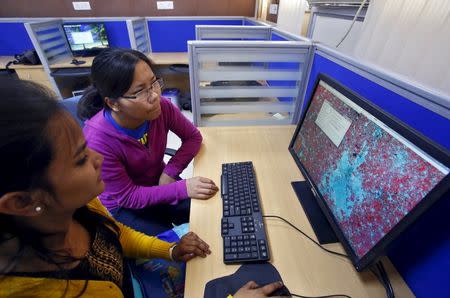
(168, 58)
(65, 63)
(34, 73)
(160, 62)
(172, 79)
(305, 268)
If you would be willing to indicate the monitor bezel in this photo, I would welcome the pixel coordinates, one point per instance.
(427, 145)
(85, 52)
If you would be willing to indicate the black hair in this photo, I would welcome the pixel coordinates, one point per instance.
(26, 151)
(112, 74)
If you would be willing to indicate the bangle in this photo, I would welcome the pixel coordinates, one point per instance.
(171, 252)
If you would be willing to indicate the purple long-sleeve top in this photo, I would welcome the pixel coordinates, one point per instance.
(131, 170)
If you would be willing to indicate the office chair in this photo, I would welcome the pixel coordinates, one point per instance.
(70, 105)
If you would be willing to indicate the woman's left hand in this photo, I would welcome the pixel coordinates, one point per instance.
(189, 247)
(165, 179)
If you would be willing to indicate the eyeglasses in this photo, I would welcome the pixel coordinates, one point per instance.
(144, 94)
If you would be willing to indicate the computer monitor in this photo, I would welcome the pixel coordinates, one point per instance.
(367, 173)
(86, 39)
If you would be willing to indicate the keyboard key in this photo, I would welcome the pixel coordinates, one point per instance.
(244, 256)
(231, 257)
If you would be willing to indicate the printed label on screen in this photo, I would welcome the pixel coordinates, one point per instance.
(82, 37)
(333, 124)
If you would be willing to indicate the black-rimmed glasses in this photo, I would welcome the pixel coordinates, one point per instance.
(145, 93)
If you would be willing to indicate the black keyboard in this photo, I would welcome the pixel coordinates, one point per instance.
(243, 230)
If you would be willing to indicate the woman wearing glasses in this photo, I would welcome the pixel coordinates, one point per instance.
(128, 124)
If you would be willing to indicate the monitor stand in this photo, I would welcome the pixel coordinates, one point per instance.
(317, 219)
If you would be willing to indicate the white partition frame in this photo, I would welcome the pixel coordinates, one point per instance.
(203, 54)
(50, 44)
(203, 32)
(287, 35)
(139, 35)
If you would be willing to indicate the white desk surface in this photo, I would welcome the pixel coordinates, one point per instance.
(167, 58)
(305, 268)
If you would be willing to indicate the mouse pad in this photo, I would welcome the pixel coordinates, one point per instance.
(260, 273)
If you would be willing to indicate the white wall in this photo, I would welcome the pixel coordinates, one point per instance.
(330, 31)
(291, 14)
(411, 38)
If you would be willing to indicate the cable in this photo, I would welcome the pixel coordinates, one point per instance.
(327, 296)
(353, 22)
(381, 274)
(304, 234)
(319, 245)
(383, 278)
(387, 282)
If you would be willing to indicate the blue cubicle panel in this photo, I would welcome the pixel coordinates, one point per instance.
(118, 34)
(247, 22)
(14, 39)
(422, 253)
(277, 37)
(172, 35)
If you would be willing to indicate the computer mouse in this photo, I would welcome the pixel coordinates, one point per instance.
(283, 292)
(77, 62)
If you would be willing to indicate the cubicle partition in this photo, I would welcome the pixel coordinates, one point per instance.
(229, 81)
(14, 38)
(50, 44)
(139, 35)
(252, 22)
(171, 34)
(232, 32)
(281, 35)
(422, 253)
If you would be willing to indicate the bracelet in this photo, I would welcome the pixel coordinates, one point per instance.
(171, 252)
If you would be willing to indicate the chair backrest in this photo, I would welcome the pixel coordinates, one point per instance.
(70, 104)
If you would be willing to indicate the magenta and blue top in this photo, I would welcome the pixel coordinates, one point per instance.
(131, 169)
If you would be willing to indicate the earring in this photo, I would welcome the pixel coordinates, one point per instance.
(38, 209)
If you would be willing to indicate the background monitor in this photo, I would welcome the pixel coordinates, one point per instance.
(370, 174)
(86, 39)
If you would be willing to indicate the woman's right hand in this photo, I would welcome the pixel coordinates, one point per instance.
(201, 188)
(252, 290)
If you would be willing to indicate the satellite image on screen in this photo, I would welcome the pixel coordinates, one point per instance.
(86, 36)
(369, 176)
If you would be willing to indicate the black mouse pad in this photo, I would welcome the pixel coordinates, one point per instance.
(262, 274)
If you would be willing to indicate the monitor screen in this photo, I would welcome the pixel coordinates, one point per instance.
(84, 38)
(373, 175)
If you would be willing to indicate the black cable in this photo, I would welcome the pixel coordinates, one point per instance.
(304, 234)
(327, 296)
(382, 276)
(385, 277)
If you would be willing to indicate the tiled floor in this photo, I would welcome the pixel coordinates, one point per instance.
(174, 142)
